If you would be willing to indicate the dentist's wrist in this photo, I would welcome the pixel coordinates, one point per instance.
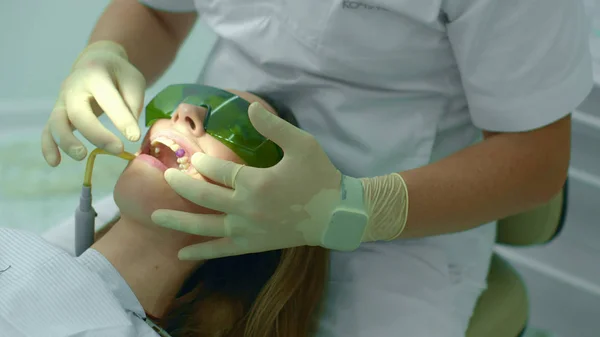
(386, 203)
(101, 46)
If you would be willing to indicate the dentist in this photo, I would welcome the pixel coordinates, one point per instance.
(422, 123)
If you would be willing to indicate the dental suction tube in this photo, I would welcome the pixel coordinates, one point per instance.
(85, 215)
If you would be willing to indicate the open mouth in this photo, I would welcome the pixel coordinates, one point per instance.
(168, 152)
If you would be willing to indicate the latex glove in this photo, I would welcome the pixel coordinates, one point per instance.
(101, 80)
(287, 205)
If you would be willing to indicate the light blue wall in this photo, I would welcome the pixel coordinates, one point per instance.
(39, 40)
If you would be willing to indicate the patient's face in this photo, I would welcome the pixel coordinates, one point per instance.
(169, 143)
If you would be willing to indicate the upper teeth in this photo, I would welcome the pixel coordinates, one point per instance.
(163, 140)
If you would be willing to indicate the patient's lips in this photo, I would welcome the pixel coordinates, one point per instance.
(153, 161)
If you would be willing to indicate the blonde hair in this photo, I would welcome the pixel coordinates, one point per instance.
(270, 294)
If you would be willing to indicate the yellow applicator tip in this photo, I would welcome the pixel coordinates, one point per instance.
(127, 156)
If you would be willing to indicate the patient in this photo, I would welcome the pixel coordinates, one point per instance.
(258, 295)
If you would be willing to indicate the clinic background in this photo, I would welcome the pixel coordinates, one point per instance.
(39, 40)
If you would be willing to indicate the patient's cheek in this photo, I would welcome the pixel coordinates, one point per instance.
(141, 190)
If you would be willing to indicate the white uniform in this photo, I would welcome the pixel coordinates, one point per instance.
(390, 85)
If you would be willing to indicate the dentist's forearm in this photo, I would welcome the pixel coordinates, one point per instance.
(505, 174)
(151, 38)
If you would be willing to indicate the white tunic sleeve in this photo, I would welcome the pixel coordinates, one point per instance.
(524, 64)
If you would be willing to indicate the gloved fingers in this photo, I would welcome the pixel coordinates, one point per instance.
(104, 91)
(223, 248)
(201, 192)
(81, 115)
(132, 86)
(61, 132)
(218, 170)
(49, 148)
(282, 133)
(196, 224)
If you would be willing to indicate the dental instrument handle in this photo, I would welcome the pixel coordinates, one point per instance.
(85, 216)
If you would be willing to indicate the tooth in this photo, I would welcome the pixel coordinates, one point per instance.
(168, 142)
(174, 147)
(156, 150)
(183, 160)
(184, 166)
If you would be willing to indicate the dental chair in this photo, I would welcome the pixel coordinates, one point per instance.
(503, 309)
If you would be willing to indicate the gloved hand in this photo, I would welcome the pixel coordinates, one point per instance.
(101, 80)
(284, 206)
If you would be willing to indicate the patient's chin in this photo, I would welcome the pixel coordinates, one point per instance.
(141, 190)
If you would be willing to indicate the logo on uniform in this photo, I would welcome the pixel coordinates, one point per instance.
(348, 4)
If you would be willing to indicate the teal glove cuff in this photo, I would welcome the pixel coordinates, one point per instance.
(349, 219)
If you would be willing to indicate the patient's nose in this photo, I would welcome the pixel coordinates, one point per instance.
(191, 117)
